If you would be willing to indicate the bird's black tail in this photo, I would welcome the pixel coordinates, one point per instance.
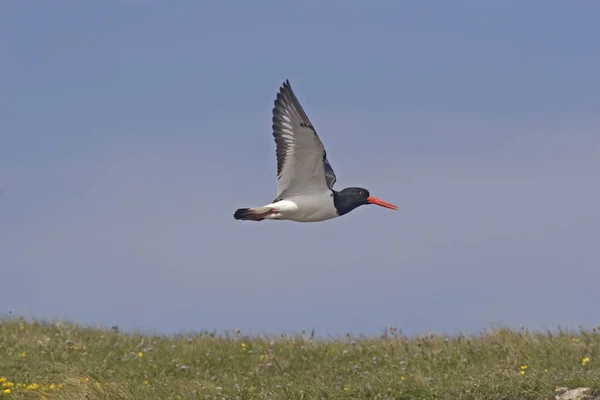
(240, 213)
(251, 214)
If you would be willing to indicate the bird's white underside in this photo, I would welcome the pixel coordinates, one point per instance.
(309, 208)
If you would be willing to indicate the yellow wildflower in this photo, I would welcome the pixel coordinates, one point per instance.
(585, 361)
(23, 354)
(524, 367)
(7, 384)
(244, 347)
(2, 379)
(522, 372)
(52, 386)
(545, 370)
(402, 378)
(7, 391)
(140, 354)
(145, 382)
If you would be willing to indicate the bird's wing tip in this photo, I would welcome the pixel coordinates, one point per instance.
(286, 85)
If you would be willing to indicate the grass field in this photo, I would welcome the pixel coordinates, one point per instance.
(66, 361)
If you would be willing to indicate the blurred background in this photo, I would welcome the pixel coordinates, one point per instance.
(130, 131)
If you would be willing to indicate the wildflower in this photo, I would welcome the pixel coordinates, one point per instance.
(52, 386)
(140, 354)
(2, 379)
(524, 367)
(585, 361)
(23, 354)
(244, 347)
(402, 378)
(522, 372)
(7, 384)
(545, 370)
(7, 391)
(145, 382)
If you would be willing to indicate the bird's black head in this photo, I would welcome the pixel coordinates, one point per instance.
(350, 198)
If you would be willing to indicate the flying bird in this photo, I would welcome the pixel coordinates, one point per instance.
(305, 178)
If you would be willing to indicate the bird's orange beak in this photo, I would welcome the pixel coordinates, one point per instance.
(373, 200)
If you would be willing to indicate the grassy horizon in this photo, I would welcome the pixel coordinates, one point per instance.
(63, 360)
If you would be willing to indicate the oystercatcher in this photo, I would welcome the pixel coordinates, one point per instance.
(304, 176)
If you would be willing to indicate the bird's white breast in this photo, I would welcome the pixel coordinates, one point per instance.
(305, 208)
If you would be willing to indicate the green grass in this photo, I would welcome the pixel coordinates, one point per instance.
(67, 361)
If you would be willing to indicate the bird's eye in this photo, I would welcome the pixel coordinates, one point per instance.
(361, 193)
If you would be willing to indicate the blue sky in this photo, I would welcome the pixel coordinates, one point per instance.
(130, 131)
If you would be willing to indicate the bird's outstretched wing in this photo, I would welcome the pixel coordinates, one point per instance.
(302, 164)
